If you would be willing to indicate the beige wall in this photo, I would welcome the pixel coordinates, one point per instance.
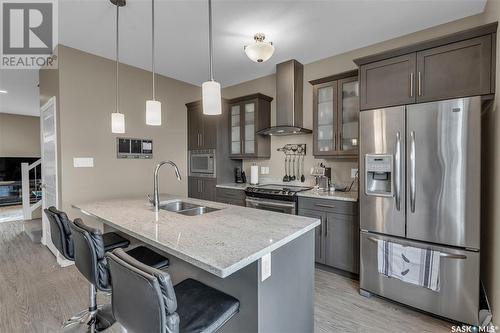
(19, 136)
(86, 100)
(490, 242)
(490, 247)
(341, 169)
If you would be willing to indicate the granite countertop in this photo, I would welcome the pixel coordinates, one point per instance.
(234, 186)
(342, 196)
(220, 242)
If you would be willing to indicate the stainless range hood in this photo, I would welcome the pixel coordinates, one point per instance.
(289, 87)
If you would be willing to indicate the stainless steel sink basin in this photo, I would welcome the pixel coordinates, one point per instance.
(186, 208)
(177, 206)
(198, 211)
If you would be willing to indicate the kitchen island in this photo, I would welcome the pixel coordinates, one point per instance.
(229, 249)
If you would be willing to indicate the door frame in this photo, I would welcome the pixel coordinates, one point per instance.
(46, 240)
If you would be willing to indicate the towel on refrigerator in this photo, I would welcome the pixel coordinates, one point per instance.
(409, 264)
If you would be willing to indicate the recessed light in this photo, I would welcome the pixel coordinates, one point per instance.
(3, 91)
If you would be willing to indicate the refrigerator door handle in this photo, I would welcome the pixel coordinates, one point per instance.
(412, 172)
(397, 169)
(445, 255)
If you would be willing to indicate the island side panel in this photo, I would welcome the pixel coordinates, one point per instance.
(286, 298)
(242, 285)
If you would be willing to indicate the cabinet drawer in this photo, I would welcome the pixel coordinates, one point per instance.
(231, 194)
(330, 206)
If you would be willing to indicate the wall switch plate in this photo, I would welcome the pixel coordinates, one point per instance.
(265, 266)
(353, 173)
(83, 162)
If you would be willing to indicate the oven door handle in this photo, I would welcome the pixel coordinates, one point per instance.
(270, 204)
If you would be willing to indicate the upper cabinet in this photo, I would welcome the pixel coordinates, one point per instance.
(336, 115)
(202, 129)
(457, 65)
(388, 82)
(454, 70)
(248, 115)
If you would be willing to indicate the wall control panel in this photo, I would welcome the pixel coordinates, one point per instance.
(134, 148)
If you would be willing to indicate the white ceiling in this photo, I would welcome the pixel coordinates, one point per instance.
(304, 30)
(22, 92)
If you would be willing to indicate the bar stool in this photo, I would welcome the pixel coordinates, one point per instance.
(62, 239)
(92, 264)
(144, 300)
(60, 233)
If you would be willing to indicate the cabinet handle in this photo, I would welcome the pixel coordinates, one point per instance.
(198, 138)
(325, 206)
(419, 83)
(411, 84)
(326, 226)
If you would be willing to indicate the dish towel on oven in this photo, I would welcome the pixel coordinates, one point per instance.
(409, 264)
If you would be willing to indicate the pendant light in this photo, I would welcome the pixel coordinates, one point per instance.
(210, 90)
(153, 107)
(117, 118)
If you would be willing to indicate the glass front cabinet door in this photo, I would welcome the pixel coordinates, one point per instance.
(250, 114)
(335, 115)
(235, 134)
(325, 118)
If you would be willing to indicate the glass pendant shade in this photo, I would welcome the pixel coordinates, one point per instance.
(153, 113)
(260, 51)
(117, 123)
(211, 98)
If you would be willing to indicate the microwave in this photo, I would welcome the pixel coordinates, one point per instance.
(202, 163)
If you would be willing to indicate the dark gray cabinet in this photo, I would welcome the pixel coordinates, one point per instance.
(457, 65)
(319, 242)
(230, 196)
(337, 238)
(454, 70)
(388, 82)
(202, 188)
(336, 115)
(202, 129)
(248, 115)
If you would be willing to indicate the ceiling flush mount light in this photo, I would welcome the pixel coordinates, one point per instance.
(153, 107)
(117, 118)
(261, 50)
(210, 90)
(2, 91)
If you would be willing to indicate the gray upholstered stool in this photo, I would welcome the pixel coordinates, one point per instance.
(62, 238)
(144, 300)
(90, 260)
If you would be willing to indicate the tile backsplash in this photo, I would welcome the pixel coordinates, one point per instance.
(341, 169)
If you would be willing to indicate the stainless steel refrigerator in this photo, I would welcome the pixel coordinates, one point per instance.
(420, 187)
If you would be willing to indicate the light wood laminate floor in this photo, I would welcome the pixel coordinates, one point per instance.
(11, 213)
(36, 295)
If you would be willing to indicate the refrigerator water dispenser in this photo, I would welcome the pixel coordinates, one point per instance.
(379, 175)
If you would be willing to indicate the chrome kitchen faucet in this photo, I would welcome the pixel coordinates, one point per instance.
(156, 202)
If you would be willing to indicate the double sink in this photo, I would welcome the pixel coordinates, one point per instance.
(186, 208)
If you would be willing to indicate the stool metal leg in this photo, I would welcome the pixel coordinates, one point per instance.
(84, 318)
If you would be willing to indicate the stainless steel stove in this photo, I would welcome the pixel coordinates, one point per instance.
(273, 197)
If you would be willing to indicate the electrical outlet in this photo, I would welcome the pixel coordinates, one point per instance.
(265, 266)
(353, 173)
(264, 170)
